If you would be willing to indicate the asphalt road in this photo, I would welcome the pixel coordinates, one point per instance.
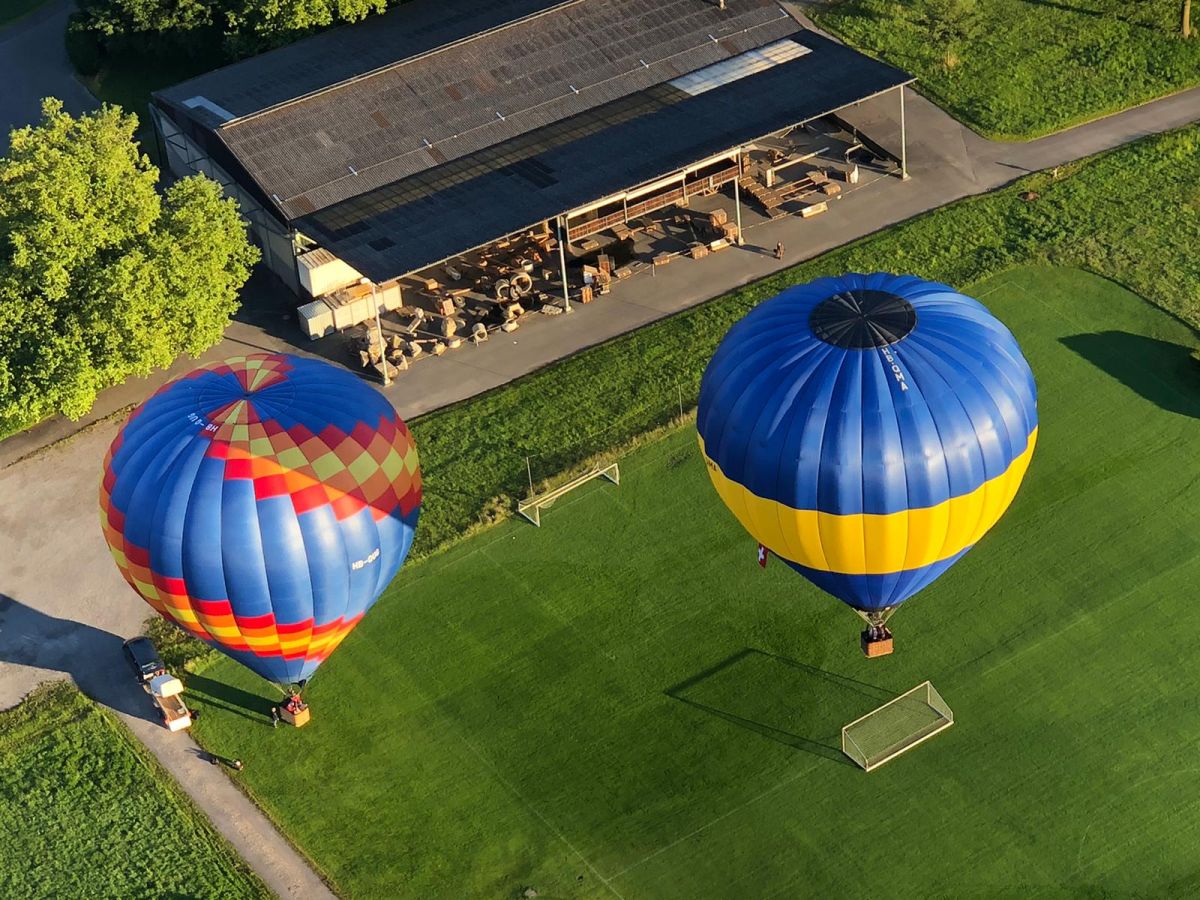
(34, 64)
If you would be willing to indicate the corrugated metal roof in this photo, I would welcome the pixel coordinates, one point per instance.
(740, 66)
(419, 113)
(349, 51)
(426, 218)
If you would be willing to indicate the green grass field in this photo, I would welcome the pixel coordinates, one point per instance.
(1031, 66)
(623, 704)
(86, 813)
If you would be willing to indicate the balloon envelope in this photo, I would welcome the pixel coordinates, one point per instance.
(262, 504)
(868, 430)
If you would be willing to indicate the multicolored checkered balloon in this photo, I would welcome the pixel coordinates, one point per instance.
(262, 504)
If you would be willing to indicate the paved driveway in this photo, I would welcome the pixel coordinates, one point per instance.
(33, 65)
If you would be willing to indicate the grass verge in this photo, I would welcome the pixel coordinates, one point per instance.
(1026, 68)
(88, 813)
(623, 704)
(128, 79)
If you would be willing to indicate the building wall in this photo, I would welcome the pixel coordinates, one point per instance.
(183, 157)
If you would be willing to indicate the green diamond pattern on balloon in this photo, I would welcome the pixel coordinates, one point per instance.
(363, 467)
(292, 458)
(393, 465)
(328, 465)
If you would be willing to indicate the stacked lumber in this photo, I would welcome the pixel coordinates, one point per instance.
(767, 198)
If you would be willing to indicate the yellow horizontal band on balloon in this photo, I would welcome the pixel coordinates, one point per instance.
(908, 539)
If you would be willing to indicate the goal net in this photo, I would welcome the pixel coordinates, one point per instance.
(897, 726)
(531, 507)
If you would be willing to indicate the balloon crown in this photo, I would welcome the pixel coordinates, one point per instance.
(859, 319)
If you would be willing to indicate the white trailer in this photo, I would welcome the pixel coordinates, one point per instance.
(167, 693)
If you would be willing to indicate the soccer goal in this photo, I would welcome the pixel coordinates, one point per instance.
(531, 507)
(896, 727)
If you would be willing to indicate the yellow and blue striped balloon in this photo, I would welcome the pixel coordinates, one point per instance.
(868, 430)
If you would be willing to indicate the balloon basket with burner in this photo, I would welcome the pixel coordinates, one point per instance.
(876, 639)
(875, 642)
(295, 712)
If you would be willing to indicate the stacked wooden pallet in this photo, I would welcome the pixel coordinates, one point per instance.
(767, 198)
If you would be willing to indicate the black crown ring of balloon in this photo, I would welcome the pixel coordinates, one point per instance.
(262, 504)
(868, 430)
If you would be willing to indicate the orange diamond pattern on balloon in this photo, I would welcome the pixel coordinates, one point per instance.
(376, 468)
(213, 620)
(373, 467)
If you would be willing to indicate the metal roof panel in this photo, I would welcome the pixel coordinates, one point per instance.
(467, 202)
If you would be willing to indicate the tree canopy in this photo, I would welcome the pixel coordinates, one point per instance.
(100, 276)
(235, 27)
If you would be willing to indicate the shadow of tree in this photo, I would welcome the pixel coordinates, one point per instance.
(1160, 371)
(1131, 20)
(91, 656)
(791, 702)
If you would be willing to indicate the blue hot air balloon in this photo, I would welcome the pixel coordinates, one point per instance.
(262, 504)
(868, 430)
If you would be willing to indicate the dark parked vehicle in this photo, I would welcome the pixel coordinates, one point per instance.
(143, 658)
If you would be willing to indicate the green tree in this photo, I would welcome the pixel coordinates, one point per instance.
(116, 18)
(268, 18)
(200, 27)
(100, 277)
(949, 22)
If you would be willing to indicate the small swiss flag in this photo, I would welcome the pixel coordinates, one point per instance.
(762, 555)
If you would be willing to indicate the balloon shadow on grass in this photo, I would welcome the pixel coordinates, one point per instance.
(1160, 371)
(790, 702)
(92, 657)
(255, 707)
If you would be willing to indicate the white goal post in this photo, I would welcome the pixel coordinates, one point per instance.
(531, 507)
(896, 727)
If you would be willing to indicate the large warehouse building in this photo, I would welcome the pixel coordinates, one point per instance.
(384, 148)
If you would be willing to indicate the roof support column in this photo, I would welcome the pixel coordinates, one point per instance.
(383, 360)
(737, 199)
(562, 262)
(903, 141)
